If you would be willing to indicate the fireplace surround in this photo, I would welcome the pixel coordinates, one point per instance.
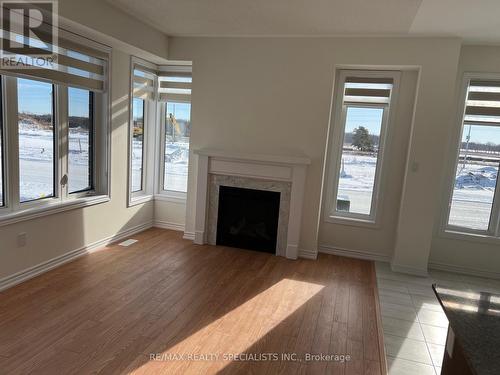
(283, 174)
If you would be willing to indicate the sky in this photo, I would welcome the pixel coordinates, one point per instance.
(371, 118)
(36, 97)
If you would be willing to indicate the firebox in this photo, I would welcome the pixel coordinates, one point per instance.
(248, 218)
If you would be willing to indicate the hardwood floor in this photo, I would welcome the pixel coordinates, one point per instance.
(110, 311)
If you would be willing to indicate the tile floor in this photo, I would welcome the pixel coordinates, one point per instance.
(414, 323)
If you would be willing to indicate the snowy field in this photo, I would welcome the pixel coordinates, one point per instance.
(472, 195)
(176, 166)
(356, 181)
(36, 150)
(36, 162)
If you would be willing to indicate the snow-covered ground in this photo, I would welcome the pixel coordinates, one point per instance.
(176, 166)
(356, 181)
(36, 166)
(472, 195)
(36, 152)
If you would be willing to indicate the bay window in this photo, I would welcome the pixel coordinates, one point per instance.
(474, 203)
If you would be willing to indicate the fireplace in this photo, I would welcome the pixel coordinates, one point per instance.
(248, 218)
(285, 176)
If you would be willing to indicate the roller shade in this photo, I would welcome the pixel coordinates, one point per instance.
(367, 90)
(74, 64)
(144, 83)
(174, 83)
(483, 102)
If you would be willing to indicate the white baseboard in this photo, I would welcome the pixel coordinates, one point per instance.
(409, 270)
(31, 272)
(188, 236)
(365, 255)
(308, 254)
(464, 270)
(168, 225)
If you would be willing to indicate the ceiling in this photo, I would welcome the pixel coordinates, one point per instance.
(472, 20)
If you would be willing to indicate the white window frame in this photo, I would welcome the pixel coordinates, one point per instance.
(492, 234)
(161, 193)
(149, 149)
(15, 211)
(335, 148)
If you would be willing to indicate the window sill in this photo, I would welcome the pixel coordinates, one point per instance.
(173, 197)
(50, 209)
(470, 237)
(355, 222)
(134, 201)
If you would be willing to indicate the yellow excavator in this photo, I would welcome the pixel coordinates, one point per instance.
(176, 129)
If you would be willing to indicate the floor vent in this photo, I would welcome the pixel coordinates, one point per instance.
(128, 242)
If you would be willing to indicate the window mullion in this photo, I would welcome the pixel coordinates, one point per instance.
(12, 142)
(338, 144)
(160, 144)
(62, 139)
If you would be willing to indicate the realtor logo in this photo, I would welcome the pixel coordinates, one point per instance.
(29, 34)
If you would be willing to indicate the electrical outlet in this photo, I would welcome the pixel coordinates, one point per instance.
(22, 239)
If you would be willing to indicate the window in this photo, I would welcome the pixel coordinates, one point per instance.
(177, 132)
(175, 91)
(160, 130)
(360, 122)
(137, 144)
(54, 123)
(81, 139)
(474, 203)
(36, 139)
(142, 131)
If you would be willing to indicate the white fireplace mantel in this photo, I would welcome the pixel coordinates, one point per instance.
(290, 169)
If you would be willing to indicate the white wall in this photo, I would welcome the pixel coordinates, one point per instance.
(170, 214)
(470, 255)
(100, 20)
(272, 95)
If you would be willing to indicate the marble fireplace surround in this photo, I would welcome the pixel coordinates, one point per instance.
(285, 174)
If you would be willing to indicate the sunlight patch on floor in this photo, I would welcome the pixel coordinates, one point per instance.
(233, 333)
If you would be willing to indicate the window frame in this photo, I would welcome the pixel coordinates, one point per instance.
(453, 231)
(56, 188)
(338, 117)
(145, 133)
(3, 143)
(92, 141)
(160, 192)
(15, 211)
(150, 130)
